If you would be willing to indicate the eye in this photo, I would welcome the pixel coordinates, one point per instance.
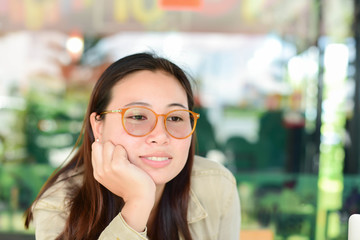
(175, 119)
(137, 117)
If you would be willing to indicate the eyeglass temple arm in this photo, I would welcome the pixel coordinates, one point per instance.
(111, 111)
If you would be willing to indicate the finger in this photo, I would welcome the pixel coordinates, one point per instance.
(107, 154)
(96, 157)
(120, 155)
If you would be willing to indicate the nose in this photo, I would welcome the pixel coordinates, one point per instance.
(159, 134)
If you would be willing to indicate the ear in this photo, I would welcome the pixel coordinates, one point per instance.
(96, 125)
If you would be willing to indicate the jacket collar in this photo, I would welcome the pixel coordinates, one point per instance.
(196, 211)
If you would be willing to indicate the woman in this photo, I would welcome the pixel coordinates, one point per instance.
(135, 175)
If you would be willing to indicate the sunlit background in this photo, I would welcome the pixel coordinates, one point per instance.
(276, 84)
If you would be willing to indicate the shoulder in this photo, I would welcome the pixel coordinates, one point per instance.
(56, 196)
(51, 210)
(211, 179)
(204, 169)
(213, 190)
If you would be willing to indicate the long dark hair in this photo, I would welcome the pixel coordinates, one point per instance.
(92, 206)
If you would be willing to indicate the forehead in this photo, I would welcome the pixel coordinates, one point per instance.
(149, 86)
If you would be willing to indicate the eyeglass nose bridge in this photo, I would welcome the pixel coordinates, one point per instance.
(164, 121)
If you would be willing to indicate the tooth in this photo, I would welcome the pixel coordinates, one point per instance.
(158, 158)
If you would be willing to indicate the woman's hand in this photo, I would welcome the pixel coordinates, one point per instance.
(114, 171)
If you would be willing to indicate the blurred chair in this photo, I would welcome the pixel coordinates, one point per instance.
(258, 234)
(243, 153)
(205, 134)
(272, 140)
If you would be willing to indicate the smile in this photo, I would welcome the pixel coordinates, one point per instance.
(157, 159)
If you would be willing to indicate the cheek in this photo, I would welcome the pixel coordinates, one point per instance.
(129, 143)
(115, 133)
(183, 147)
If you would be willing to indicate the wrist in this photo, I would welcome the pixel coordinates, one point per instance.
(136, 213)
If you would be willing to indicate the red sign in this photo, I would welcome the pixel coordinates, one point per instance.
(181, 4)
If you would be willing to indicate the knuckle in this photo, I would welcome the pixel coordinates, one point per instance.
(120, 151)
(108, 144)
(95, 145)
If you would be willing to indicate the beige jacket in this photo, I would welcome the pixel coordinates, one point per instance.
(213, 213)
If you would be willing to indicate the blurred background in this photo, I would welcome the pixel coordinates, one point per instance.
(276, 82)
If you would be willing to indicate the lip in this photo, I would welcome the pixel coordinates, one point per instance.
(156, 160)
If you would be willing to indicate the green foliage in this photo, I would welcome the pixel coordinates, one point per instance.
(26, 179)
(53, 121)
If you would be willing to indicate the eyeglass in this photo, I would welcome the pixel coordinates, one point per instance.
(139, 121)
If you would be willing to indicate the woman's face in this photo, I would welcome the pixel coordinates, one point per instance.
(157, 153)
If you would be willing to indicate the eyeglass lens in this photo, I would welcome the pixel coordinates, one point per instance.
(141, 121)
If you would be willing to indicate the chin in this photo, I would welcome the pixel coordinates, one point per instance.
(161, 180)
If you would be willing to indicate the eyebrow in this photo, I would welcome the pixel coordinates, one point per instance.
(149, 105)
